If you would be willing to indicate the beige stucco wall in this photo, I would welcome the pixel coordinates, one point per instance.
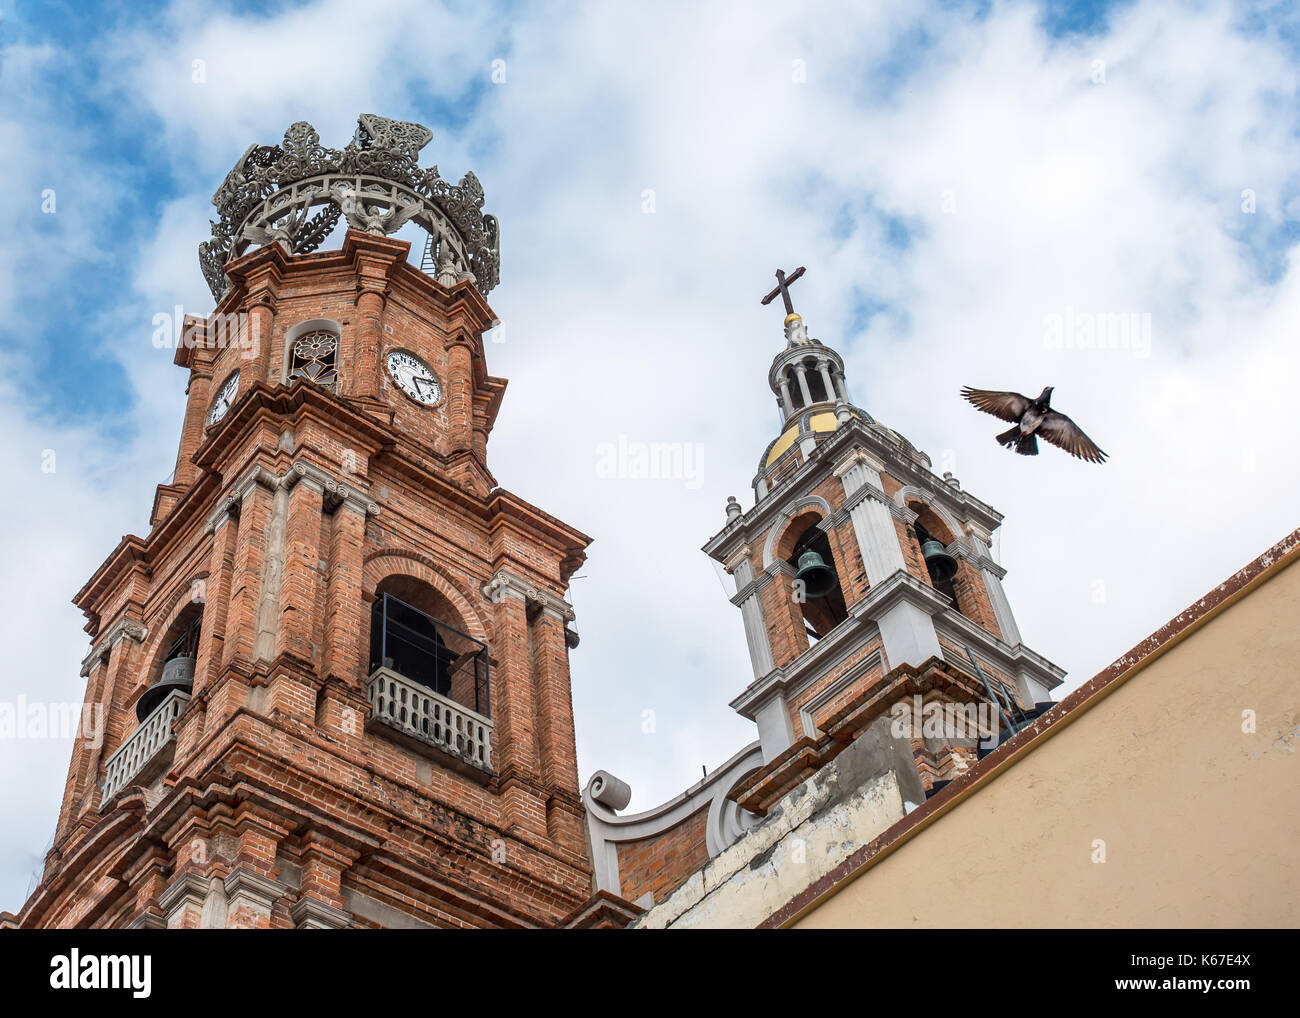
(1201, 822)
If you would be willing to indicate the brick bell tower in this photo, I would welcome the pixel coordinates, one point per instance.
(334, 675)
(857, 559)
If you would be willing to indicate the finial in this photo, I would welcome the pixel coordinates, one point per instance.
(733, 508)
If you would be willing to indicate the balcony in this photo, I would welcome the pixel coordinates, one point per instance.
(431, 719)
(429, 685)
(149, 749)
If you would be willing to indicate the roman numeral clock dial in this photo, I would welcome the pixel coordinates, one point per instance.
(223, 399)
(414, 377)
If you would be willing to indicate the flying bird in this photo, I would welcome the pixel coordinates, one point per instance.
(1034, 417)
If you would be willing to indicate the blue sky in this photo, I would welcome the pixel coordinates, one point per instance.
(950, 173)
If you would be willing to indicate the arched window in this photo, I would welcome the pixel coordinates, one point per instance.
(174, 667)
(942, 568)
(314, 356)
(416, 632)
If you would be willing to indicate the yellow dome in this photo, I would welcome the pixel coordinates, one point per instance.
(821, 422)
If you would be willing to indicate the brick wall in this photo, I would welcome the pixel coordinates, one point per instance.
(659, 864)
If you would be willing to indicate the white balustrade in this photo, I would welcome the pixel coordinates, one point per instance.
(144, 746)
(421, 713)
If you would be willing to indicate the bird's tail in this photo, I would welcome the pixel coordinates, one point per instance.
(1026, 445)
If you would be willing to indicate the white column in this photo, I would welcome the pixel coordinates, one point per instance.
(775, 730)
(873, 523)
(803, 383)
(787, 404)
(824, 367)
(751, 613)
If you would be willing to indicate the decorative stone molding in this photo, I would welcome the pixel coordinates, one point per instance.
(736, 558)
(934, 500)
(246, 888)
(609, 790)
(857, 457)
(313, 914)
(507, 584)
(787, 513)
(125, 628)
(335, 493)
(189, 891)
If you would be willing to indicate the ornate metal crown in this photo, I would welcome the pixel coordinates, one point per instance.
(376, 183)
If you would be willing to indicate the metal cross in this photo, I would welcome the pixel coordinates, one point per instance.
(783, 288)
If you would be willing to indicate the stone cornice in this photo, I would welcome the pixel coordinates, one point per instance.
(313, 914)
(835, 456)
(737, 556)
(507, 584)
(1011, 659)
(901, 586)
(846, 637)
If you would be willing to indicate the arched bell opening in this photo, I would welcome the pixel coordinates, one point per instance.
(815, 587)
(416, 632)
(933, 537)
(174, 668)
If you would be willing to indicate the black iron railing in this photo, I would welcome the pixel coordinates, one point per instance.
(432, 653)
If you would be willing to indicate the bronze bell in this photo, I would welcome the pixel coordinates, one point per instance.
(818, 578)
(178, 673)
(942, 566)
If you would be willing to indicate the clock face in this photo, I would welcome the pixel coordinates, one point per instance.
(414, 377)
(224, 398)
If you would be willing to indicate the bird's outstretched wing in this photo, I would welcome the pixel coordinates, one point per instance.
(1065, 434)
(1010, 406)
